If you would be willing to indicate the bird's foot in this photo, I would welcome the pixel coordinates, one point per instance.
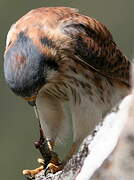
(50, 162)
(54, 165)
(52, 168)
(30, 174)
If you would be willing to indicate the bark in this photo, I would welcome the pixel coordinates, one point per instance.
(120, 164)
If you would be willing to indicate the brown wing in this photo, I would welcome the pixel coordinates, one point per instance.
(90, 41)
(94, 46)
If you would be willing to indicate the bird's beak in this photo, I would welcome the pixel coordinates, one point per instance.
(31, 100)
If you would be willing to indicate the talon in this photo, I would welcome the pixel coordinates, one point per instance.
(54, 165)
(52, 168)
(28, 177)
(41, 161)
(30, 174)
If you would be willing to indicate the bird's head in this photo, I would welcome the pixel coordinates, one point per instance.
(26, 66)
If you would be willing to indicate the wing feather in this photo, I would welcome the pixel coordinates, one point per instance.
(94, 46)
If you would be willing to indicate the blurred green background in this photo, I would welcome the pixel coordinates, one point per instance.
(18, 125)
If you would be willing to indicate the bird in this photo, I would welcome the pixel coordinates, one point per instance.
(68, 66)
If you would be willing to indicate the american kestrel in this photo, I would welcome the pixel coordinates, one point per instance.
(69, 66)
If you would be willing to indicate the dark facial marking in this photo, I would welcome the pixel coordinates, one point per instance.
(47, 42)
